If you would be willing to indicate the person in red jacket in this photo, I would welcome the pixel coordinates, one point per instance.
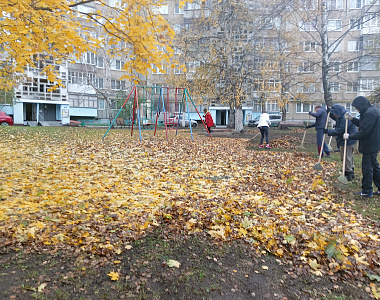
(208, 120)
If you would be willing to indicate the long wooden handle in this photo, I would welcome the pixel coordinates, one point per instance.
(345, 150)
(304, 133)
(323, 140)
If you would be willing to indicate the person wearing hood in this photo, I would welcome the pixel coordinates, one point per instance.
(263, 125)
(337, 113)
(368, 135)
(320, 116)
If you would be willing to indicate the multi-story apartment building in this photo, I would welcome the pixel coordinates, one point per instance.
(93, 83)
(351, 29)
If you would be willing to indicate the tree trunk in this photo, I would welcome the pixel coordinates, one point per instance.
(239, 128)
(283, 110)
(231, 117)
(325, 60)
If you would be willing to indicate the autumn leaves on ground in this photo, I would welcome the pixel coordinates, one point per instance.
(64, 189)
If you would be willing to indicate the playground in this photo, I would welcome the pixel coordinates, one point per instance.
(166, 102)
(175, 215)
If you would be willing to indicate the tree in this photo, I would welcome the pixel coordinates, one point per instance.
(233, 43)
(30, 31)
(322, 34)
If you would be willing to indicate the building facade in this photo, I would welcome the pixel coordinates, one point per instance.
(93, 91)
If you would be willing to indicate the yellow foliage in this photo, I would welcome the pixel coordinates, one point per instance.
(34, 30)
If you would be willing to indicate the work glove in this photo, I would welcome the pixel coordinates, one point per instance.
(306, 127)
(328, 109)
(325, 131)
(346, 136)
(348, 116)
(310, 112)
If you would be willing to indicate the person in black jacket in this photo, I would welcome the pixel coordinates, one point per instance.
(368, 135)
(320, 116)
(337, 113)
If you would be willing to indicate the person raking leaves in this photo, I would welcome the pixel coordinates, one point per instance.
(368, 135)
(337, 113)
(320, 116)
(263, 125)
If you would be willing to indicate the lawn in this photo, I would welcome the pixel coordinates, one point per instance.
(209, 219)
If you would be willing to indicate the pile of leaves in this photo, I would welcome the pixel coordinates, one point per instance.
(66, 188)
(286, 142)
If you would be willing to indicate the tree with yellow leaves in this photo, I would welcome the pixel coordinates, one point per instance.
(32, 31)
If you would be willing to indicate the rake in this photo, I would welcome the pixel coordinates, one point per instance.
(304, 135)
(342, 178)
(318, 165)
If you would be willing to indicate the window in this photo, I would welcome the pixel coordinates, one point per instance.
(353, 46)
(357, 3)
(308, 46)
(99, 62)
(304, 107)
(91, 80)
(161, 10)
(100, 83)
(267, 24)
(369, 44)
(307, 26)
(369, 63)
(334, 4)
(177, 9)
(307, 5)
(334, 87)
(287, 67)
(355, 24)
(335, 66)
(348, 106)
(117, 84)
(353, 66)
(91, 58)
(101, 104)
(335, 47)
(117, 64)
(177, 70)
(371, 20)
(352, 87)
(157, 88)
(114, 3)
(334, 25)
(367, 84)
(156, 70)
(306, 67)
(271, 106)
(305, 88)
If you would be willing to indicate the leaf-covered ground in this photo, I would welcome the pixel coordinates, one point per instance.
(66, 189)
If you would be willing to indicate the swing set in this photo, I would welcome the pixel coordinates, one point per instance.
(146, 113)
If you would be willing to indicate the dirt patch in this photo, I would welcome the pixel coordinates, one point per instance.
(207, 270)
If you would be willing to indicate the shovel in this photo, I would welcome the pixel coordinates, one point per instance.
(318, 165)
(304, 135)
(342, 178)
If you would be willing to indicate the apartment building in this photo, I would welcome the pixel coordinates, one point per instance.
(93, 89)
(352, 31)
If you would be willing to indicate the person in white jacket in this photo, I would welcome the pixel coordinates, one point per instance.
(263, 125)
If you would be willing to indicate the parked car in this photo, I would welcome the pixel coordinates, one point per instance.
(275, 120)
(174, 119)
(5, 120)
